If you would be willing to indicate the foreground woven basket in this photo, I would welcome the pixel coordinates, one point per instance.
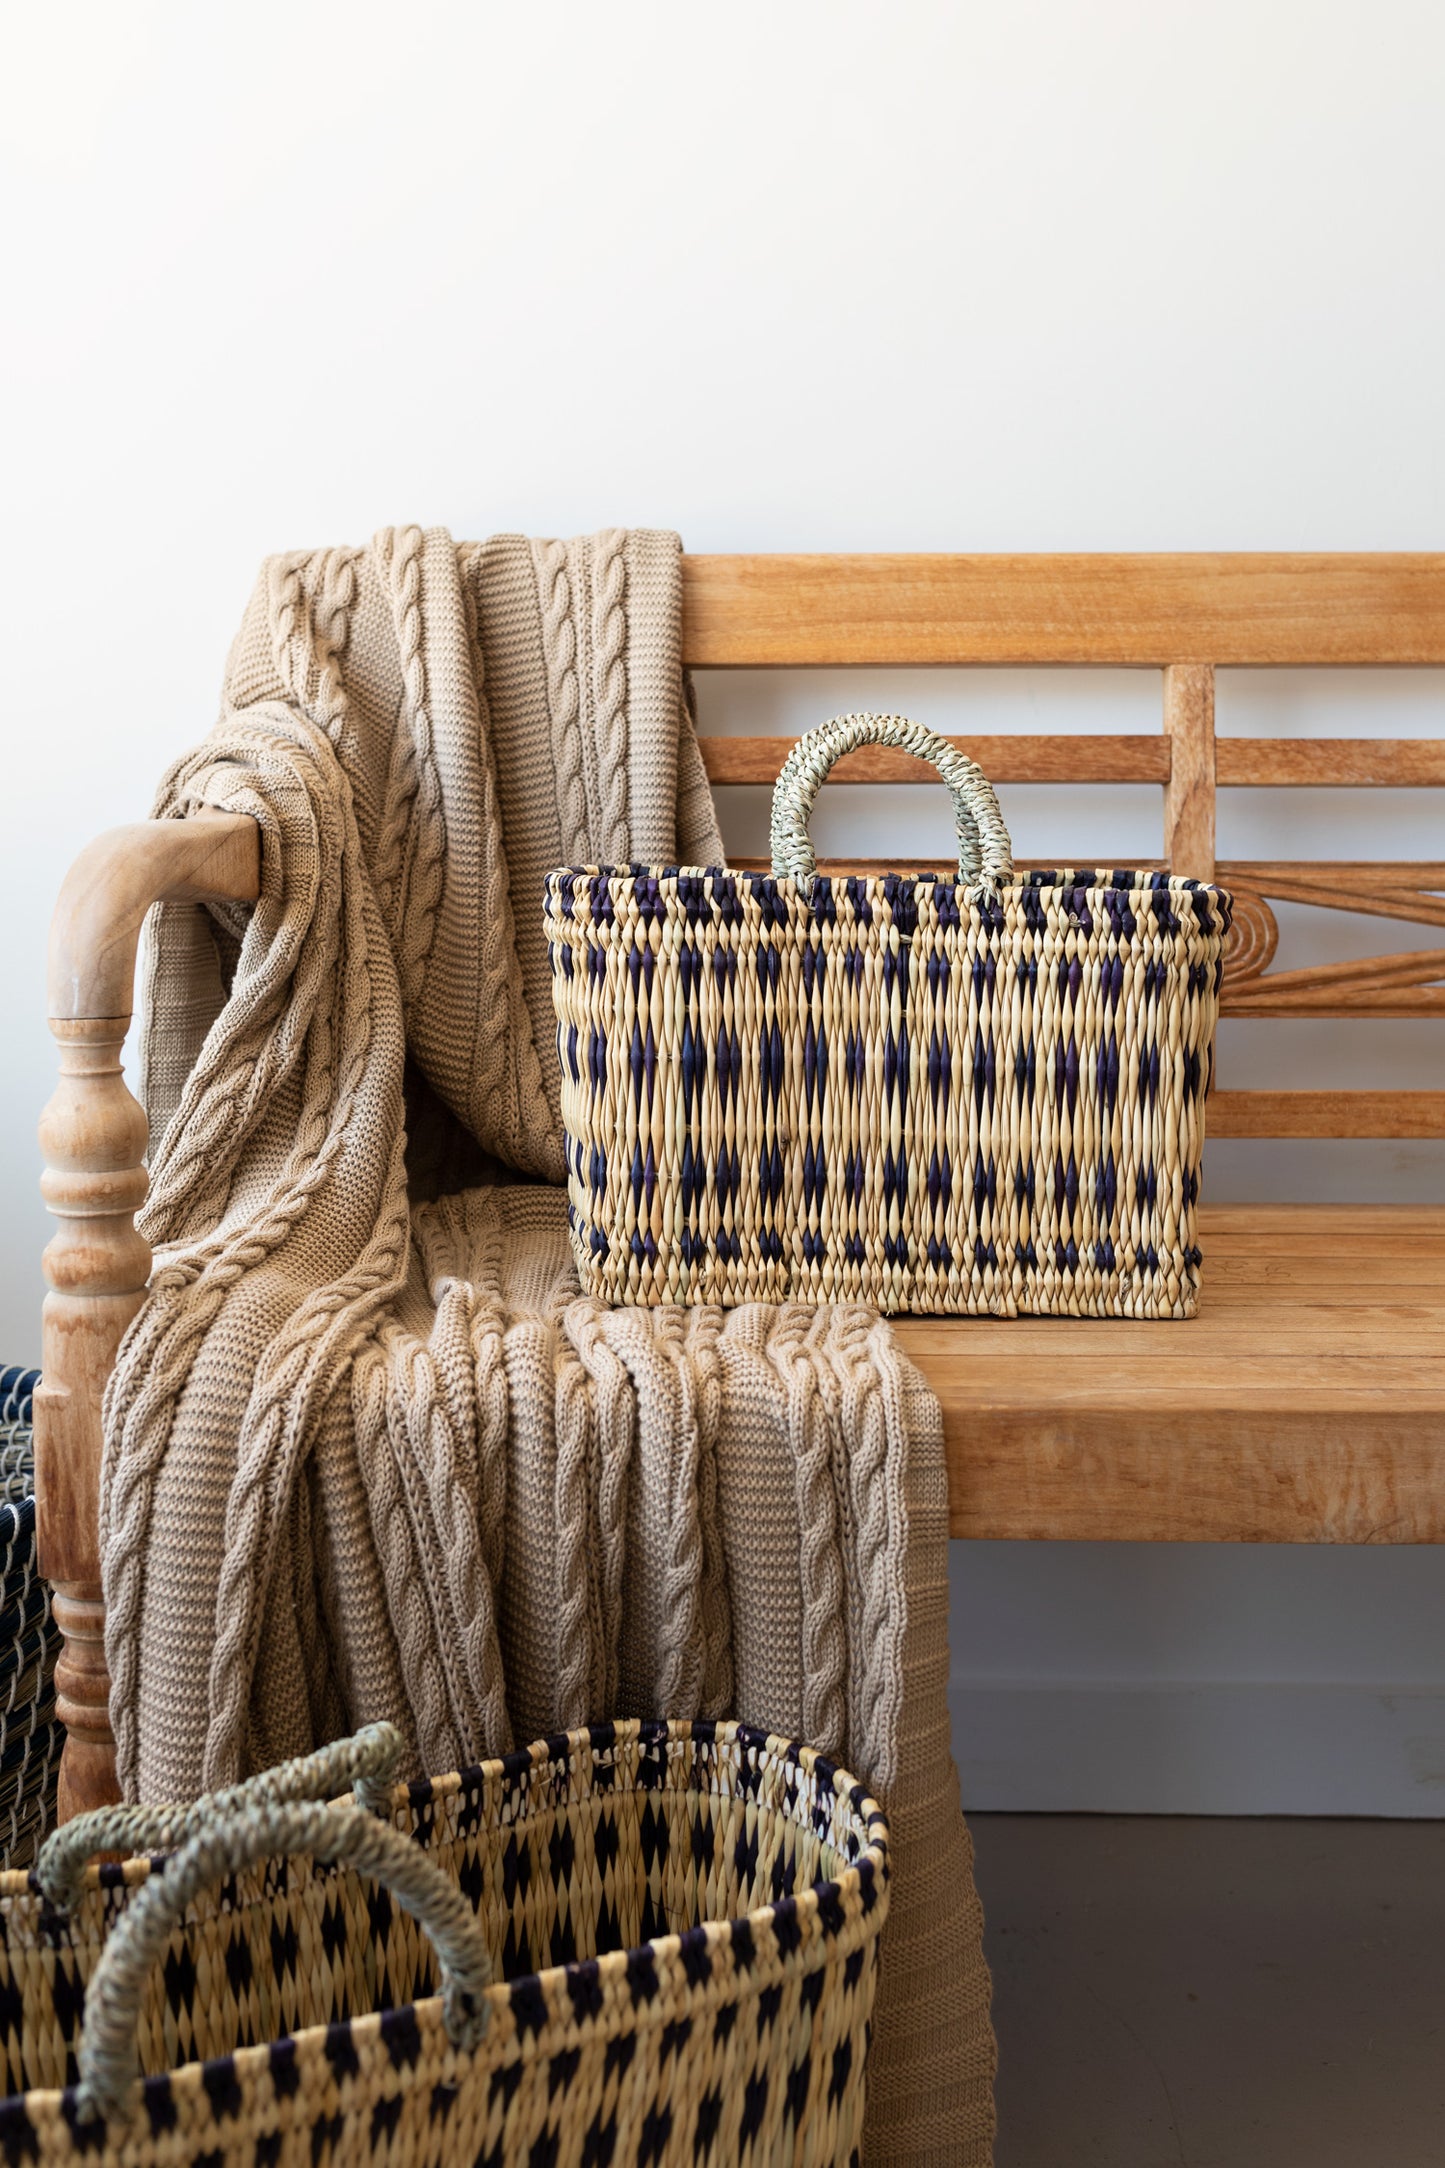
(687, 1916)
(972, 1093)
(30, 1733)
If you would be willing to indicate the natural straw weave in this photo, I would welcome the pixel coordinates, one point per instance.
(973, 1093)
(684, 1920)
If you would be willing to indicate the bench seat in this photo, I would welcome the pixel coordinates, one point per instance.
(1304, 1404)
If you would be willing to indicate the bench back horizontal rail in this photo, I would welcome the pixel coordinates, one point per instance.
(1277, 763)
(1186, 615)
(1229, 609)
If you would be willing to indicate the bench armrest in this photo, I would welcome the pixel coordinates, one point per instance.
(95, 932)
(93, 1135)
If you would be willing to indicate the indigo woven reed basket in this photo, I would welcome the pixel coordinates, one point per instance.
(31, 1736)
(938, 1094)
(644, 1944)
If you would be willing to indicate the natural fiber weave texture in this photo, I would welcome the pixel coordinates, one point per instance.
(369, 1454)
(30, 1732)
(913, 1092)
(683, 1920)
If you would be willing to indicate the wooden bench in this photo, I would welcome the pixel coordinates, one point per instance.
(1305, 1403)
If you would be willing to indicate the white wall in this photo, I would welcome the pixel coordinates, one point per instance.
(1051, 274)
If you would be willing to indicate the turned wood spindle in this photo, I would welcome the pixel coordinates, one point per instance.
(93, 1135)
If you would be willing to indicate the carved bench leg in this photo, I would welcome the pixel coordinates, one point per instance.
(94, 1138)
(93, 1135)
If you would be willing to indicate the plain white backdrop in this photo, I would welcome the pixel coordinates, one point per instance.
(1056, 274)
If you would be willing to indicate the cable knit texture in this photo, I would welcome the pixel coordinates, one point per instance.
(369, 1453)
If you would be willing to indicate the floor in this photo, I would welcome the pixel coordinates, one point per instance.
(1192, 1993)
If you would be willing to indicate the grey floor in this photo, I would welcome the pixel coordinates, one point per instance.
(1191, 1993)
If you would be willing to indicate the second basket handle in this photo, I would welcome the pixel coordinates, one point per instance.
(985, 854)
(227, 1844)
(365, 1764)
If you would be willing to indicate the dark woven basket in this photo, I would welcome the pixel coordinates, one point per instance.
(30, 1735)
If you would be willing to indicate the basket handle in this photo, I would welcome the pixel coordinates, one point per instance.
(985, 853)
(365, 1764)
(253, 1830)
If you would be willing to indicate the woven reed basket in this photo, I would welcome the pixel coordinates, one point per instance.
(30, 1732)
(686, 1915)
(929, 1094)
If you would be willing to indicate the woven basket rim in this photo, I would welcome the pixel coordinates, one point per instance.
(1119, 879)
(509, 1769)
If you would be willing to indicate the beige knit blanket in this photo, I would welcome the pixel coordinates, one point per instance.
(368, 1451)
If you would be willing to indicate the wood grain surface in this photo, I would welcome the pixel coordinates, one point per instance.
(1113, 757)
(1222, 608)
(1304, 1404)
(1104, 758)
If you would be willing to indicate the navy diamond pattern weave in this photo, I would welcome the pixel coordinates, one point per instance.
(687, 1916)
(892, 1090)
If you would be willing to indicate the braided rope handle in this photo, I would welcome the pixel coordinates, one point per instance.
(255, 1830)
(985, 853)
(365, 1764)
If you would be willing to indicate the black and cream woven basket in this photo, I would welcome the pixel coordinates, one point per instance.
(30, 1731)
(972, 1092)
(647, 1945)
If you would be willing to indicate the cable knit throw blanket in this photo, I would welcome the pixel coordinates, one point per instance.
(368, 1452)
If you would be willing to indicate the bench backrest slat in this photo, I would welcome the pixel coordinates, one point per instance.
(1231, 610)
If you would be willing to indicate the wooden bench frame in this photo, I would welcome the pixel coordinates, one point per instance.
(1105, 1429)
